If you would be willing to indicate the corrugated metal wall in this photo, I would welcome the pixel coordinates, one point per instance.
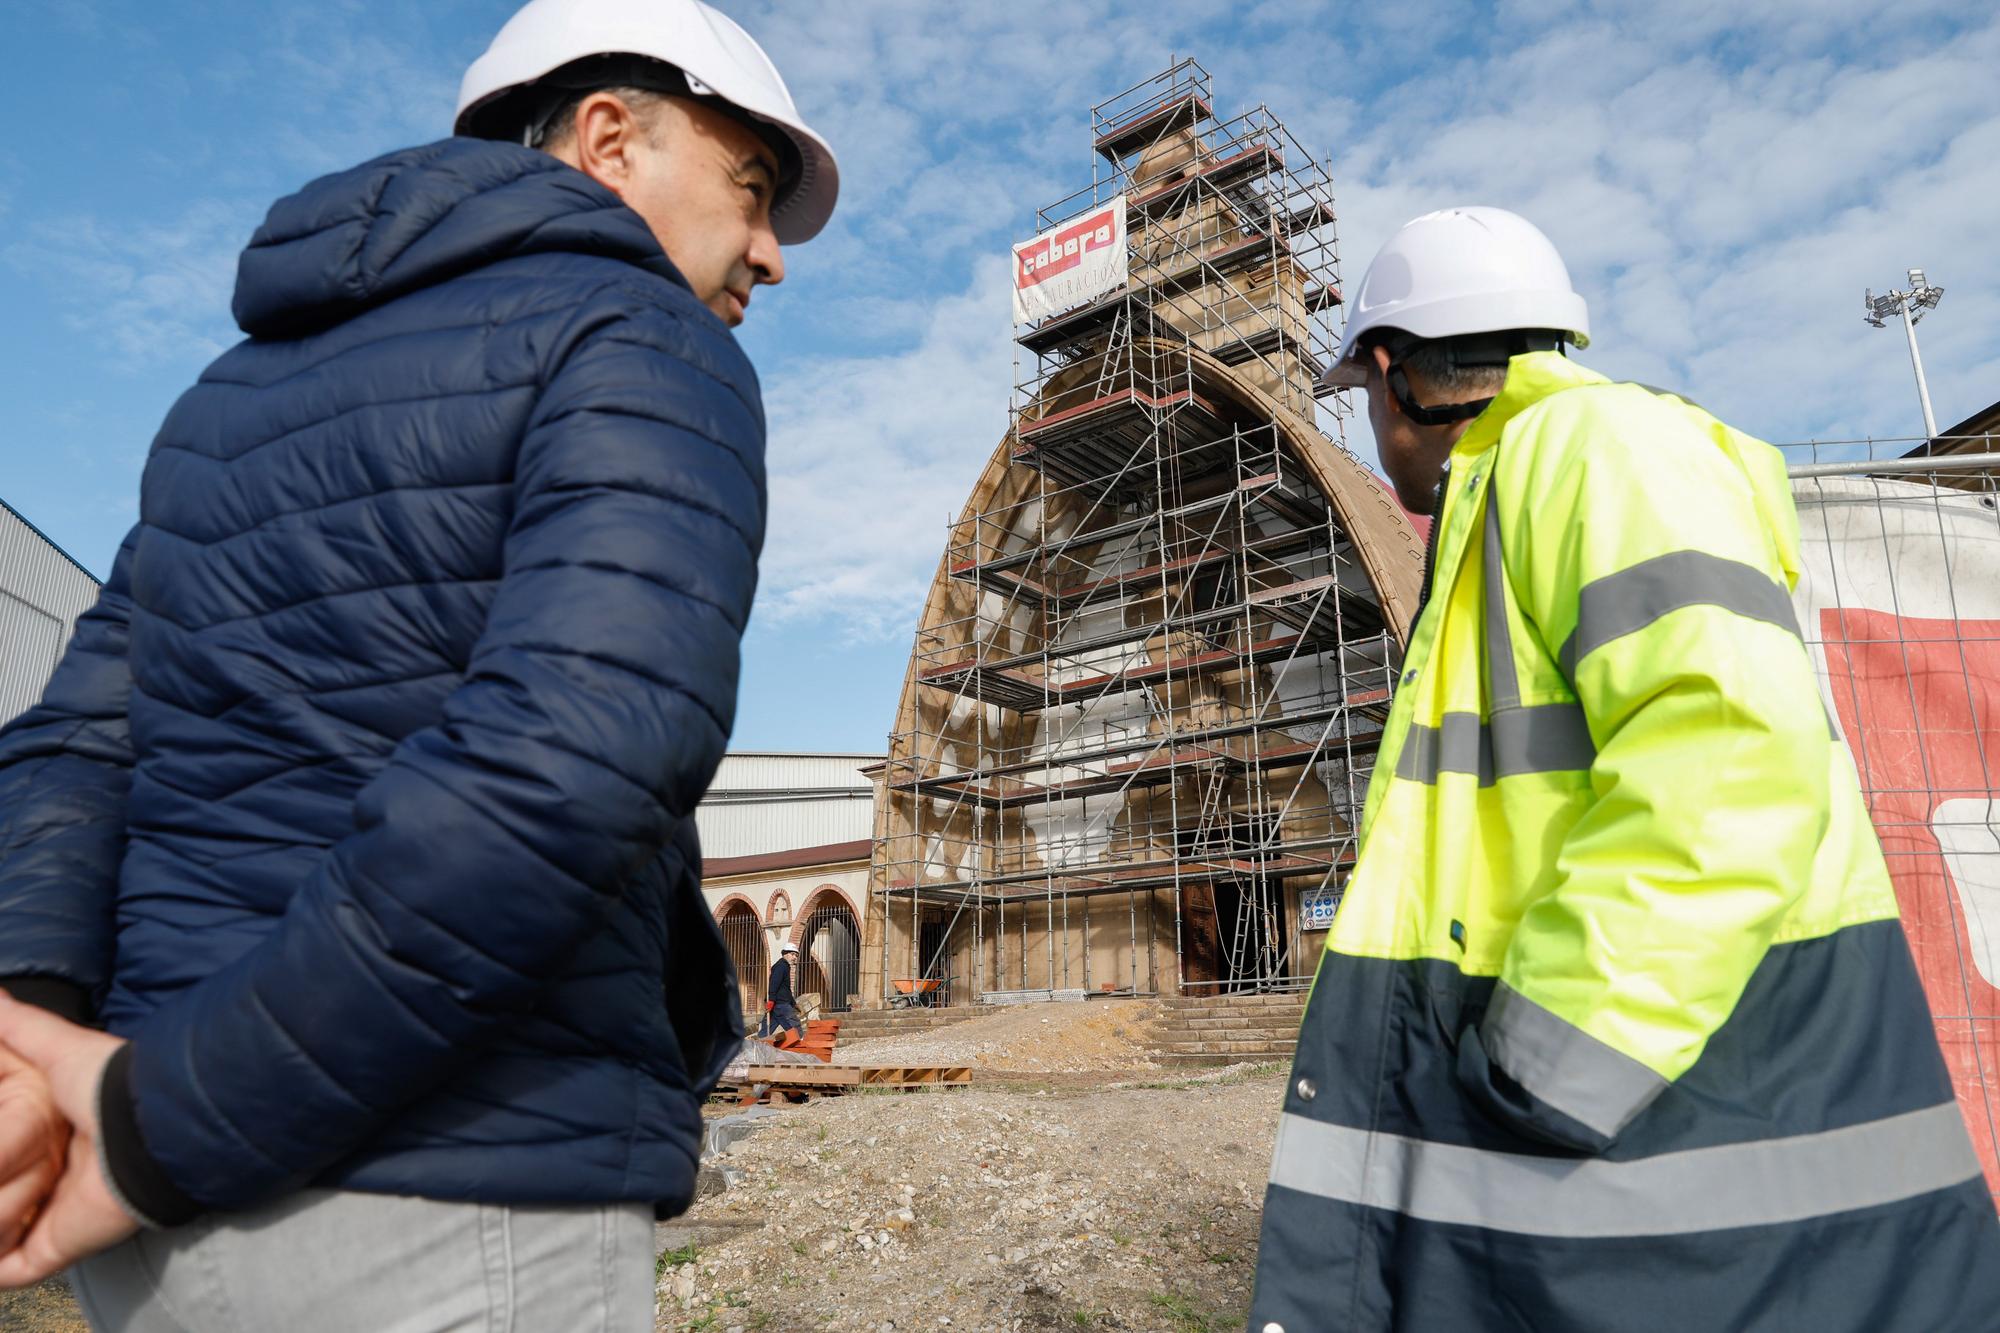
(770, 802)
(42, 592)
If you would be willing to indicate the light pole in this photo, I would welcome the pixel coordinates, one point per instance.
(1911, 305)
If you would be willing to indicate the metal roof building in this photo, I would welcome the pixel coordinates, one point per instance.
(765, 801)
(42, 592)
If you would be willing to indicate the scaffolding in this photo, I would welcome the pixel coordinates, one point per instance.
(1146, 697)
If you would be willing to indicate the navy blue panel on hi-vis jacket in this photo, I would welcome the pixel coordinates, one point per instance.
(363, 799)
(1616, 1028)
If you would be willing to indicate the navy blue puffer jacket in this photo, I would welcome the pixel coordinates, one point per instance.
(362, 802)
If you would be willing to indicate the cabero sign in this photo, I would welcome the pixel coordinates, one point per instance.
(1068, 265)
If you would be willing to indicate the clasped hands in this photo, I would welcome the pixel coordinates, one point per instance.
(55, 1205)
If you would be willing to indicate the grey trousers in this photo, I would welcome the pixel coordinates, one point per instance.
(364, 1263)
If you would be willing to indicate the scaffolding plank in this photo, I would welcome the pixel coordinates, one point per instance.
(1258, 158)
(1301, 603)
(1267, 343)
(1062, 333)
(1219, 263)
(1004, 684)
(1275, 861)
(1371, 702)
(1126, 135)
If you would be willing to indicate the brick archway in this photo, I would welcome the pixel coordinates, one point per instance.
(734, 901)
(828, 933)
(743, 936)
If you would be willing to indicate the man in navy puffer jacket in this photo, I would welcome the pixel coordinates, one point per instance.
(360, 810)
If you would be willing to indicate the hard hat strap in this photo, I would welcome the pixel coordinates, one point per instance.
(1463, 351)
(1442, 415)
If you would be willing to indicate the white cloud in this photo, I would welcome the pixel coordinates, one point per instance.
(871, 456)
(152, 295)
(1723, 179)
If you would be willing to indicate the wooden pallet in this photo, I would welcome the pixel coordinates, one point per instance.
(791, 1083)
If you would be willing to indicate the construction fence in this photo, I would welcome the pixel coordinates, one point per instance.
(1900, 604)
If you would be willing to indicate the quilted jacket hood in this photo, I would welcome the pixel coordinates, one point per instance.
(353, 240)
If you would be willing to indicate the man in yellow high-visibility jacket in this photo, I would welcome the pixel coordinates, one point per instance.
(1616, 1028)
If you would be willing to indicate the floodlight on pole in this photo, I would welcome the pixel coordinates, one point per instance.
(1912, 305)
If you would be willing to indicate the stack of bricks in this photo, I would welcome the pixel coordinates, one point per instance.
(820, 1036)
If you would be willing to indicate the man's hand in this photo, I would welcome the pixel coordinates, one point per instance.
(81, 1217)
(33, 1140)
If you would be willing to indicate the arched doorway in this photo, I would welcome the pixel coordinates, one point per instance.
(744, 938)
(829, 939)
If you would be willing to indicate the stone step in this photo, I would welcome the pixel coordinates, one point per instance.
(1198, 1060)
(1171, 1040)
(1227, 1021)
(1271, 1047)
(1257, 1018)
(868, 1025)
(1258, 1006)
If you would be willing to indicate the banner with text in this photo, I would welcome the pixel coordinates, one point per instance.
(1067, 265)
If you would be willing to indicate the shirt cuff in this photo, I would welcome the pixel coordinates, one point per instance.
(137, 1181)
(64, 999)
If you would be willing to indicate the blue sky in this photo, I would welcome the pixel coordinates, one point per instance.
(1723, 178)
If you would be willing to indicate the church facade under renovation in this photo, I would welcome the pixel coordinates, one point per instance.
(1143, 700)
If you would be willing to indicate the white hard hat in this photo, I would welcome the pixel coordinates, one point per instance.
(789, 947)
(1459, 271)
(717, 57)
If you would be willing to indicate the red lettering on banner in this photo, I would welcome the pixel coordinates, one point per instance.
(1065, 249)
(1919, 701)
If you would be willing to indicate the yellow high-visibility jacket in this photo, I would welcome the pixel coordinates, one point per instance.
(1616, 1027)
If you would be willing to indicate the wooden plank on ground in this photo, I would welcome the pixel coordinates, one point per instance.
(804, 1075)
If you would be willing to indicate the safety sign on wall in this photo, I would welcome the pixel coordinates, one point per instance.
(1316, 907)
(1071, 263)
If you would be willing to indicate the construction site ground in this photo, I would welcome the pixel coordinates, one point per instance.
(1009, 1207)
(1070, 1187)
(1080, 1037)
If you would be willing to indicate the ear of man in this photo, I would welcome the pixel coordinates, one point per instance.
(604, 134)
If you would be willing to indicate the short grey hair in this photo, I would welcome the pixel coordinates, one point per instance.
(560, 126)
(1448, 382)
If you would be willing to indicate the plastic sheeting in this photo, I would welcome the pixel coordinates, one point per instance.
(1900, 602)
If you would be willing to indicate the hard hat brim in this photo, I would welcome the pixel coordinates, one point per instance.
(803, 212)
(1346, 373)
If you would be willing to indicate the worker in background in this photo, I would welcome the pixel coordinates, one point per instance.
(359, 814)
(781, 1006)
(1616, 1027)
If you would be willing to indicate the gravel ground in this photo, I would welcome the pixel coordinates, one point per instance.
(1026, 1039)
(1131, 1206)
(45, 1308)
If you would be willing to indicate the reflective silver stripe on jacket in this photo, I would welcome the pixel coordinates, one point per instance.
(1587, 1080)
(1547, 738)
(1762, 1183)
(1543, 738)
(1628, 601)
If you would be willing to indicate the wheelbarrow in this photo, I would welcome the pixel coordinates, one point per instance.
(920, 992)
